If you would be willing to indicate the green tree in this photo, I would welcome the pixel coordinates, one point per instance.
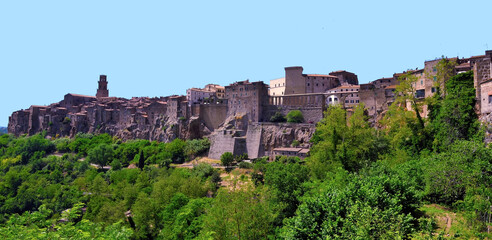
(295, 116)
(101, 155)
(337, 142)
(285, 182)
(227, 159)
(240, 214)
(375, 205)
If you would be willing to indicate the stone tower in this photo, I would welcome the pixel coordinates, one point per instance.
(102, 90)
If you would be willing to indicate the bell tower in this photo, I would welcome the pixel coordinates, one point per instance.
(102, 90)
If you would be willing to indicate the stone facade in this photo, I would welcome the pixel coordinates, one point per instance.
(247, 98)
(199, 95)
(102, 90)
(295, 82)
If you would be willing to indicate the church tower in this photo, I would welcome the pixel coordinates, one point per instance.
(102, 90)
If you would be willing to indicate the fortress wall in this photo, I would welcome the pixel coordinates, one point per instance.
(311, 114)
(222, 141)
(213, 115)
(253, 141)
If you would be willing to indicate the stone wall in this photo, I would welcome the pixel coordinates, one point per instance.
(213, 115)
(486, 97)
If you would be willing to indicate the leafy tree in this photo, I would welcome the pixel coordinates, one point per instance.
(351, 144)
(196, 147)
(203, 170)
(457, 119)
(101, 155)
(376, 205)
(242, 214)
(227, 159)
(286, 182)
(176, 148)
(295, 116)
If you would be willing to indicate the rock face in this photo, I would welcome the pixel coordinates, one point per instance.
(162, 119)
(240, 136)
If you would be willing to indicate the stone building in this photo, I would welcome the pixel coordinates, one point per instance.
(248, 98)
(199, 95)
(277, 87)
(102, 90)
(378, 95)
(296, 82)
(347, 95)
(345, 78)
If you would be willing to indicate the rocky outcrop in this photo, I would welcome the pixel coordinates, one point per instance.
(142, 118)
(240, 136)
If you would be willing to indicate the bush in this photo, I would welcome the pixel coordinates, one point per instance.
(278, 117)
(245, 165)
(227, 159)
(378, 205)
(295, 116)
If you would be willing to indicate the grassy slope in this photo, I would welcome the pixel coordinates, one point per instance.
(448, 224)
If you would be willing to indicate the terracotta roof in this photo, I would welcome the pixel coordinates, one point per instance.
(479, 56)
(80, 95)
(390, 87)
(320, 75)
(38, 106)
(464, 65)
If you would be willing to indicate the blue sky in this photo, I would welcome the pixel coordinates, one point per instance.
(159, 48)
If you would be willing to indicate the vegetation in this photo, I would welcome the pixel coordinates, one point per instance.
(278, 117)
(402, 181)
(295, 116)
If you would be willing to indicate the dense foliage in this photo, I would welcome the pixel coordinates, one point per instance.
(295, 116)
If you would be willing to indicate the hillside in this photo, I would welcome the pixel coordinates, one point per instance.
(3, 130)
(414, 178)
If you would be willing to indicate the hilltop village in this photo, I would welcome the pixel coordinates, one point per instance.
(237, 118)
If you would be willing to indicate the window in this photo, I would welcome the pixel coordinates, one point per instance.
(356, 101)
(434, 69)
(490, 99)
(346, 101)
(351, 101)
(308, 84)
(435, 78)
(316, 84)
(433, 90)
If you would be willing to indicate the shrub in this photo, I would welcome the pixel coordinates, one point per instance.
(295, 116)
(245, 165)
(227, 159)
(278, 117)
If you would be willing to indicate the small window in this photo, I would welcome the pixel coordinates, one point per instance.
(356, 101)
(421, 82)
(308, 84)
(435, 78)
(433, 90)
(316, 84)
(490, 99)
(434, 69)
